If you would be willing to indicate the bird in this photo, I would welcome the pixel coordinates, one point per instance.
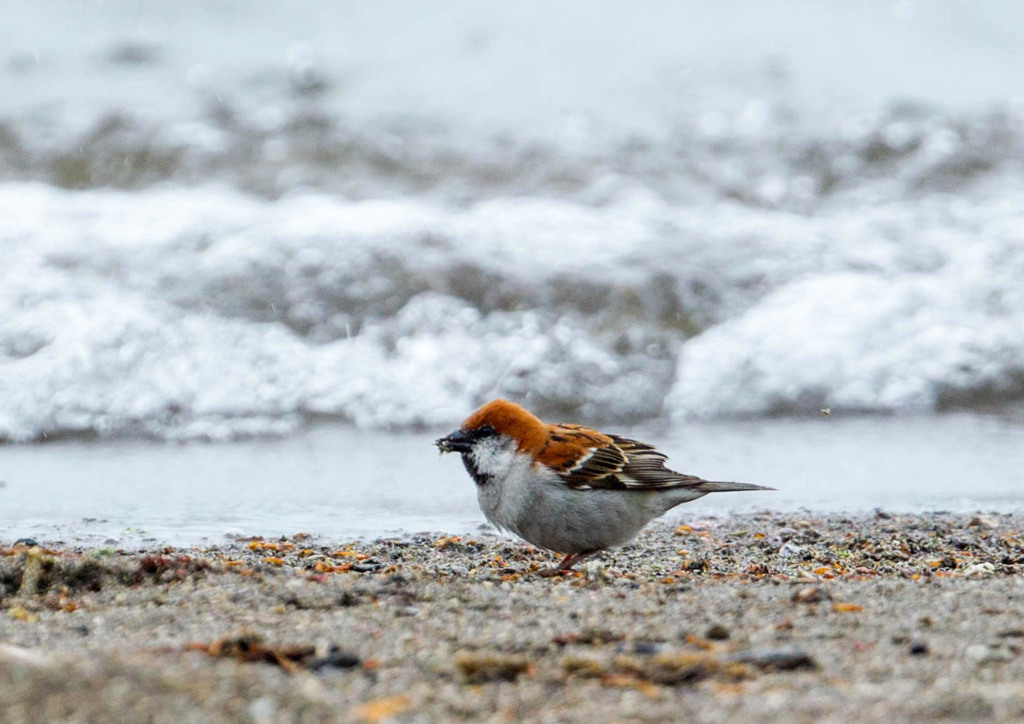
(567, 488)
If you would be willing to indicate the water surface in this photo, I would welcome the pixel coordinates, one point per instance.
(343, 483)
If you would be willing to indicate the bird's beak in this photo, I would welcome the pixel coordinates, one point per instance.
(455, 441)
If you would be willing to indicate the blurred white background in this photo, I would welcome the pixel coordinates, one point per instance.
(226, 219)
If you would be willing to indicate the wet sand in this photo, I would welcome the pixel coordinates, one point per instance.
(767, 617)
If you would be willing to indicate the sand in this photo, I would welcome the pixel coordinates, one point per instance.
(767, 617)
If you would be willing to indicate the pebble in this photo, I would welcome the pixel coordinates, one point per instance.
(918, 648)
(775, 660)
(596, 570)
(478, 667)
(811, 594)
(790, 550)
(10, 655)
(331, 656)
(983, 654)
(263, 709)
(980, 570)
(717, 632)
(642, 648)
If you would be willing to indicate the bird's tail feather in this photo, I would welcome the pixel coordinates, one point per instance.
(717, 486)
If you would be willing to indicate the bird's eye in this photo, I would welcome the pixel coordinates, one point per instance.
(484, 431)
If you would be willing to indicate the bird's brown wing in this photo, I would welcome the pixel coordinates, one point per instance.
(645, 468)
(587, 459)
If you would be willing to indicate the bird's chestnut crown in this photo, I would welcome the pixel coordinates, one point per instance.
(507, 418)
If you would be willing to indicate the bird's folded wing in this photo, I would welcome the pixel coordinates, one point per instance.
(587, 459)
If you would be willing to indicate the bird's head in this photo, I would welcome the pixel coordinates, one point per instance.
(498, 418)
(490, 438)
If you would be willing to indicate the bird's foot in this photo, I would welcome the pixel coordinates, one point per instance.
(564, 567)
(551, 572)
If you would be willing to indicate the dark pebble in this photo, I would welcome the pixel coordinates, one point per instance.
(334, 658)
(30, 542)
(717, 632)
(790, 660)
(1011, 633)
(918, 648)
(348, 598)
(642, 648)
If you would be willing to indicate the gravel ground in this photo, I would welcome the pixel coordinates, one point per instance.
(766, 617)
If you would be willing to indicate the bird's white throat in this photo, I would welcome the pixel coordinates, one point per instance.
(494, 457)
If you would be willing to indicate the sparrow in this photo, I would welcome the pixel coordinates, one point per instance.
(567, 488)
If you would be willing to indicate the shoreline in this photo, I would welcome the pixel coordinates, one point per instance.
(773, 616)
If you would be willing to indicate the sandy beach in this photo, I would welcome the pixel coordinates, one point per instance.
(766, 617)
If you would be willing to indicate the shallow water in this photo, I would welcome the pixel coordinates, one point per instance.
(343, 483)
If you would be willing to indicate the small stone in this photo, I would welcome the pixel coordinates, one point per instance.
(918, 648)
(786, 533)
(811, 594)
(263, 709)
(384, 709)
(980, 570)
(771, 660)
(983, 521)
(582, 666)
(327, 655)
(479, 667)
(595, 570)
(984, 654)
(961, 707)
(717, 632)
(642, 648)
(21, 656)
(790, 550)
(672, 669)
(1011, 633)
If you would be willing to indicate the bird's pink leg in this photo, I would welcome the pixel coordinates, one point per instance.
(566, 563)
(569, 561)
